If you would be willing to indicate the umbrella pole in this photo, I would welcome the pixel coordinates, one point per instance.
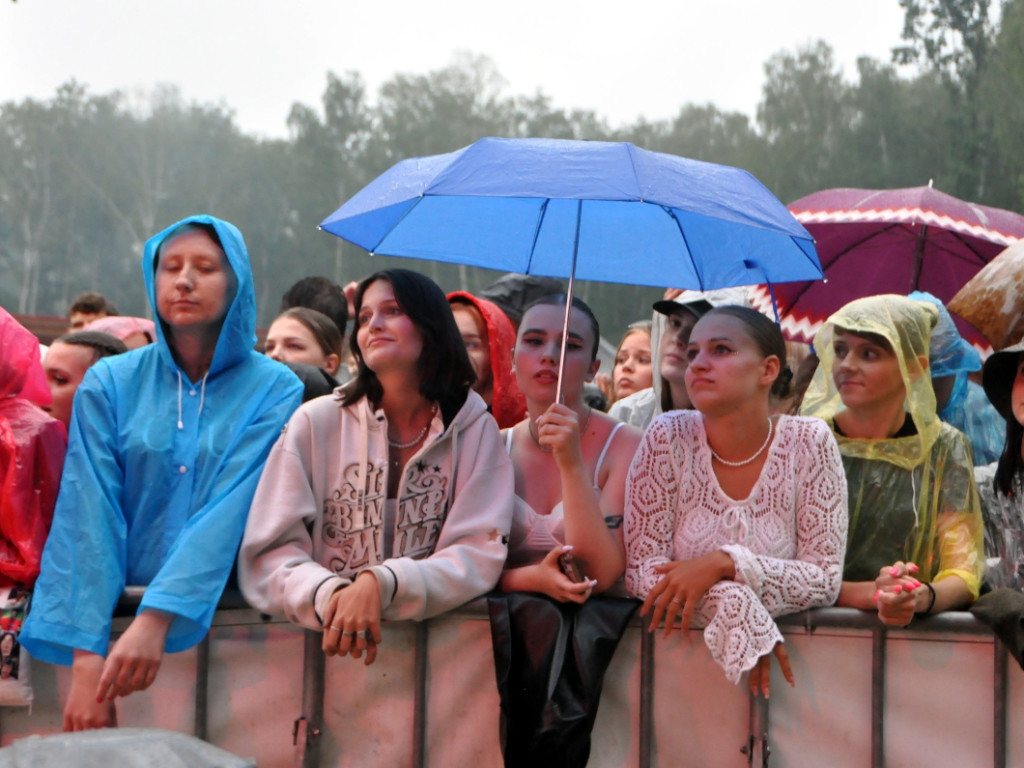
(568, 300)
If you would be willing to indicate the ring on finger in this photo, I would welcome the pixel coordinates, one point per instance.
(348, 634)
(361, 634)
(677, 601)
(336, 629)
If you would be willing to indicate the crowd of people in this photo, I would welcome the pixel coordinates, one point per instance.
(447, 448)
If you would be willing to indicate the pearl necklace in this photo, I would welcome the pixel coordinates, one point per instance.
(744, 463)
(416, 440)
(583, 430)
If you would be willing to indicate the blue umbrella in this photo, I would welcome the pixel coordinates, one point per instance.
(591, 210)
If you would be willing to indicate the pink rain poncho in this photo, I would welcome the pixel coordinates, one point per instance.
(32, 449)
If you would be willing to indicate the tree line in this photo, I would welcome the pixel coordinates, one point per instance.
(85, 178)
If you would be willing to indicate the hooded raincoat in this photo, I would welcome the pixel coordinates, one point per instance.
(159, 476)
(911, 497)
(508, 406)
(31, 456)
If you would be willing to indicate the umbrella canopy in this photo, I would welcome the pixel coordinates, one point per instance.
(993, 300)
(591, 210)
(890, 241)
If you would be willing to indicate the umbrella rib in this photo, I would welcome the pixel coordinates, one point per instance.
(536, 234)
(394, 226)
(700, 279)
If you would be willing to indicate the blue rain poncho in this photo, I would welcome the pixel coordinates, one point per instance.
(159, 477)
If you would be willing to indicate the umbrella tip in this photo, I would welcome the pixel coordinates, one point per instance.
(930, 183)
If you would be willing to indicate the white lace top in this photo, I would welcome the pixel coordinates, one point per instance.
(787, 538)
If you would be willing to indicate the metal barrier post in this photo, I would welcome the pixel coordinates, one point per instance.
(200, 725)
(646, 696)
(306, 734)
(419, 721)
(999, 685)
(878, 634)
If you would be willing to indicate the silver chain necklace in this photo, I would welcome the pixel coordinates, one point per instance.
(416, 440)
(743, 463)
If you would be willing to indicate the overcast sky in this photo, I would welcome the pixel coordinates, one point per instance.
(623, 59)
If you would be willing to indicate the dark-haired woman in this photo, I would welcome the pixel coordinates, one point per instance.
(391, 500)
(165, 450)
(735, 516)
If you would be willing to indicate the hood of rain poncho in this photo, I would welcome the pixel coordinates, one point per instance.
(907, 325)
(21, 371)
(508, 406)
(238, 332)
(950, 355)
(31, 455)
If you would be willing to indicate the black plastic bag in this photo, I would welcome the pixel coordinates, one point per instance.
(550, 659)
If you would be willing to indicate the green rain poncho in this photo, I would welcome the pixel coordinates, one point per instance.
(912, 498)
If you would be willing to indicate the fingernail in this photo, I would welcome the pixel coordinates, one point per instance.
(916, 584)
(877, 593)
(99, 699)
(894, 571)
(593, 582)
(567, 548)
(913, 568)
(898, 588)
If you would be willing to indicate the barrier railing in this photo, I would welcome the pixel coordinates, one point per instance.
(637, 724)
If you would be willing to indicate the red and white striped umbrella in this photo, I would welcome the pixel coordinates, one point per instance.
(888, 241)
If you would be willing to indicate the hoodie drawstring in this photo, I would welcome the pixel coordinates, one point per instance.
(202, 398)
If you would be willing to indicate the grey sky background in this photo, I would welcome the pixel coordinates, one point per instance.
(624, 60)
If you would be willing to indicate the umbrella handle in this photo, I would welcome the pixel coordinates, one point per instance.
(750, 264)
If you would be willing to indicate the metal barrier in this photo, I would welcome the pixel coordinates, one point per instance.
(757, 748)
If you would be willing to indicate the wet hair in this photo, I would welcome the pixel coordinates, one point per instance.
(92, 303)
(103, 344)
(324, 331)
(558, 300)
(321, 294)
(768, 338)
(445, 371)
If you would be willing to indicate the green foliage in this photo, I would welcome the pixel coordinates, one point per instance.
(85, 178)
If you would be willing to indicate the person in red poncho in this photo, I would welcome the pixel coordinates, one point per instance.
(32, 446)
(490, 337)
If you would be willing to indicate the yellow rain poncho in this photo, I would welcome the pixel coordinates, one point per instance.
(912, 497)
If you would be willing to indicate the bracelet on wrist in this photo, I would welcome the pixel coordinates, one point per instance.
(931, 600)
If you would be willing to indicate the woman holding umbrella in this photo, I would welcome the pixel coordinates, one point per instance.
(565, 545)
